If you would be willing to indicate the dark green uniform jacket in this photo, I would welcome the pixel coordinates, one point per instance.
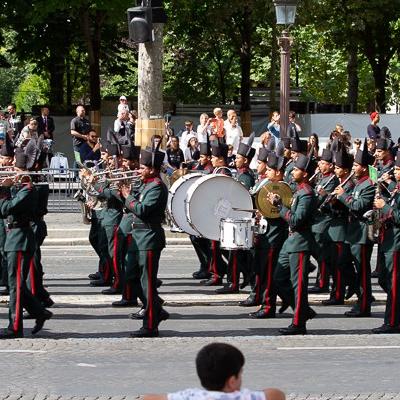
(390, 220)
(246, 177)
(359, 202)
(148, 206)
(300, 217)
(112, 213)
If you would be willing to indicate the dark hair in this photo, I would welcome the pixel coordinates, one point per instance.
(292, 114)
(217, 362)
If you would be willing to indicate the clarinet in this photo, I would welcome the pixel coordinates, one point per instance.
(331, 196)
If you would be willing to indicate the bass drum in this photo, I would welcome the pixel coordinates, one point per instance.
(212, 198)
(176, 202)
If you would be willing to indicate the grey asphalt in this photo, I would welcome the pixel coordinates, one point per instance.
(85, 351)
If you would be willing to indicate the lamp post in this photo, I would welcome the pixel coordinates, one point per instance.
(285, 15)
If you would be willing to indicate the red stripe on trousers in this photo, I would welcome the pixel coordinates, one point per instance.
(299, 289)
(149, 287)
(269, 278)
(394, 290)
(234, 270)
(115, 251)
(32, 276)
(214, 260)
(18, 307)
(364, 278)
(322, 282)
(338, 272)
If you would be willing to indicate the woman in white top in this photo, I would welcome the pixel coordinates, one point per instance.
(233, 132)
(203, 129)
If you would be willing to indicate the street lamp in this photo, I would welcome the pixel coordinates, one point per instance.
(285, 15)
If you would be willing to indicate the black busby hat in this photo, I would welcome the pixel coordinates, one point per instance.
(20, 158)
(205, 149)
(397, 163)
(219, 149)
(363, 157)
(130, 152)
(299, 146)
(263, 154)
(280, 149)
(383, 144)
(245, 149)
(343, 159)
(276, 162)
(385, 133)
(305, 164)
(152, 159)
(113, 149)
(326, 155)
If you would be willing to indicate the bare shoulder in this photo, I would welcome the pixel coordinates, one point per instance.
(274, 394)
(154, 397)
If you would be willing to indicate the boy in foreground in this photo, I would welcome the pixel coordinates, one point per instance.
(220, 367)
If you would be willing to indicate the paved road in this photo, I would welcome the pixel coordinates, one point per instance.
(85, 350)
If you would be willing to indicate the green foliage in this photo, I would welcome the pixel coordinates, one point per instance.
(33, 90)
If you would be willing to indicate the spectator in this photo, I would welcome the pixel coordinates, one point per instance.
(203, 130)
(294, 129)
(274, 125)
(346, 140)
(46, 125)
(373, 129)
(217, 124)
(233, 132)
(28, 132)
(192, 153)
(15, 121)
(268, 141)
(121, 133)
(220, 367)
(339, 128)
(90, 150)
(131, 125)
(356, 146)
(371, 144)
(123, 104)
(231, 157)
(175, 154)
(80, 127)
(169, 131)
(4, 126)
(313, 140)
(183, 142)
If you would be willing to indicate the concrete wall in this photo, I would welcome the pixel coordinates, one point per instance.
(322, 124)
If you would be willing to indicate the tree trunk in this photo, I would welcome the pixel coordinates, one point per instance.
(56, 70)
(379, 72)
(352, 77)
(245, 65)
(68, 83)
(150, 89)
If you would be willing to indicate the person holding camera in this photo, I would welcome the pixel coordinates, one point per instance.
(90, 150)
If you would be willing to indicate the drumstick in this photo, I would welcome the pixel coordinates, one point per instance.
(245, 210)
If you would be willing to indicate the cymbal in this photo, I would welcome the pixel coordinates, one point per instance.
(177, 174)
(262, 203)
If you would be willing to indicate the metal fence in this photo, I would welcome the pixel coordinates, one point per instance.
(63, 184)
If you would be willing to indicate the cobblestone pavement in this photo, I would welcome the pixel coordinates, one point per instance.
(84, 352)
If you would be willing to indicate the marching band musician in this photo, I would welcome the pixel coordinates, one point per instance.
(359, 202)
(389, 278)
(112, 214)
(19, 248)
(148, 238)
(267, 247)
(202, 246)
(297, 147)
(218, 266)
(130, 162)
(291, 274)
(323, 187)
(342, 267)
(240, 260)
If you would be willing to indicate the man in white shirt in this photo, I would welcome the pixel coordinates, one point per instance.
(233, 132)
(183, 141)
(220, 367)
